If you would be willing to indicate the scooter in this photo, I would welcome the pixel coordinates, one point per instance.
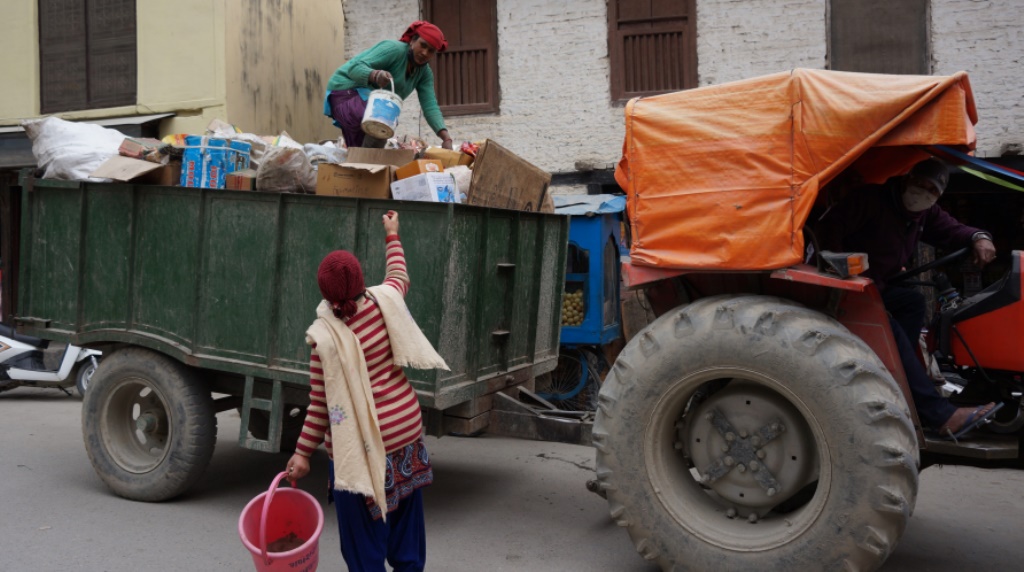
(21, 364)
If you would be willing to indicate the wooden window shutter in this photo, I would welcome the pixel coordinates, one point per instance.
(112, 53)
(879, 36)
(652, 46)
(466, 74)
(62, 56)
(87, 54)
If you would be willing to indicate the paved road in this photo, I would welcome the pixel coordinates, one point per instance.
(497, 505)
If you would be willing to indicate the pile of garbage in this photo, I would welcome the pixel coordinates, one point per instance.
(479, 173)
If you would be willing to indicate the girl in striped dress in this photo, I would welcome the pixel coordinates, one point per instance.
(367, 539)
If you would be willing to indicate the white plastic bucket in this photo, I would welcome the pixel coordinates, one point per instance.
(382, 110)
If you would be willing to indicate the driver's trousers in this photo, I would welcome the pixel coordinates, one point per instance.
(906, 317)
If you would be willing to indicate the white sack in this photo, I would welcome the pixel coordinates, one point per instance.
(68, 150)
(463, 177)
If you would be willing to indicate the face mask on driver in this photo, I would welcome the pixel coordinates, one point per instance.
(918, 199)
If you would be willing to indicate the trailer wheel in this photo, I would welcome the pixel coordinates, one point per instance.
(149, 425)
(750, 433)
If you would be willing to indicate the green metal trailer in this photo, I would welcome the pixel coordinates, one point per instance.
(200, 299)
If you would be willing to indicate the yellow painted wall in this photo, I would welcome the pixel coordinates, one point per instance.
(181, 62)
(19, 65)
(279, 57)
(180, 50)
(260, 64)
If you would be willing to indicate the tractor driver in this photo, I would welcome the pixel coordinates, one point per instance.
(886, 221)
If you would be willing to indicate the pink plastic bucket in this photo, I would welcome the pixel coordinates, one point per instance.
(285, 512)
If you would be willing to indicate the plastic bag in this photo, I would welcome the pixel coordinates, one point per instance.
(285, 140)
(463, 176)
(257, 145)
(325, 153)
(406, 142)
(285, 170)
(71, 151)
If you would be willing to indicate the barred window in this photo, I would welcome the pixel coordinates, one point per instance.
(652, 45)
(466, 74)
(87, 54)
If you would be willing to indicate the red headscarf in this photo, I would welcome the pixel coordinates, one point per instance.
(429, 32)
(340, 278)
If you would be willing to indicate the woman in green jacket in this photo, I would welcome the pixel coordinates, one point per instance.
(403, 62)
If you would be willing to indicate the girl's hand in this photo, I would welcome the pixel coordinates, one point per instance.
(298, 467)
(391, 223)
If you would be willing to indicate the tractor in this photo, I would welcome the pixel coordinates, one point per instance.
(763, 420)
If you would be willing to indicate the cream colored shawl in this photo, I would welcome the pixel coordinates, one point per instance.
(409, 346)
(357, 447)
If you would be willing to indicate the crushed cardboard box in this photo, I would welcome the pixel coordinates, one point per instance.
(504, 180)
(244, 180)
(119, 168)
(393, 157)
(358, 180)
(365, 174)
(447, 157)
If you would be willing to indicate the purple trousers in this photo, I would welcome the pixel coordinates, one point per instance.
(347, 109)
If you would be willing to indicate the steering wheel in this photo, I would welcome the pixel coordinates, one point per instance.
(955, 255)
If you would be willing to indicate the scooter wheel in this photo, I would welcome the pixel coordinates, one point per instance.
(82, 375)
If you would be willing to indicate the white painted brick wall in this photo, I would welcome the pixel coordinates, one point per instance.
(740, 39)
(553, 65)
(985, 38)
(554, 69)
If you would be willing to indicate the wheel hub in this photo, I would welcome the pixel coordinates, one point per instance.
(147, 423)
(137, 426)
(744, 447)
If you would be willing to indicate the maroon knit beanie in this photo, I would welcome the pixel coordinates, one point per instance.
(340, 278)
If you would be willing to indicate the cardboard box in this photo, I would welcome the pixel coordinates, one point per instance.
(394, 157)
(244, 180)
(359, 180)
(429, 187)
(146, 149)
(447, 157)
(168, 175)
(504, 180)
(138, 171)
(418, 167)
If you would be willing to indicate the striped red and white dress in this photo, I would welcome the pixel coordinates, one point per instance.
(398, 410)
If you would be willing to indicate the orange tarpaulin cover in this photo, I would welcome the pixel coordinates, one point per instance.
(724, 177)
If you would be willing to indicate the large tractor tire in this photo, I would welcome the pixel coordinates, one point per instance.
(750, 433)
(149, 425)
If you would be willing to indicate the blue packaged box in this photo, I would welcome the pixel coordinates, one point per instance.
(207, 161)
